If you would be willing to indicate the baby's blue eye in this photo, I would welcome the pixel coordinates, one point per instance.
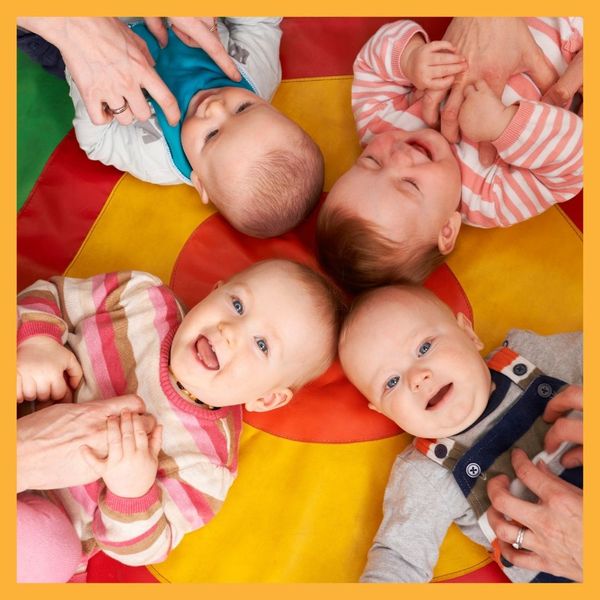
(262, 345)
(424, 348)
(238, 306)
(210, 135)
(392, 382)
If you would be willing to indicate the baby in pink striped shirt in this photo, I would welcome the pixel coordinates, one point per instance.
(396, 214)
(253, 341)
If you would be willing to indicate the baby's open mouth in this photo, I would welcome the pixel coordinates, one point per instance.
(438, 397)
(205, 353)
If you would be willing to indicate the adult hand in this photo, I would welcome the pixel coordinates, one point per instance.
(553, 538)
(569, 83)
(49, 441)
(196, 32)
(495, 49)
(564, 428)
(110, 65)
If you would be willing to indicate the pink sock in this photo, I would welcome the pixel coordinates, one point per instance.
(48, 547)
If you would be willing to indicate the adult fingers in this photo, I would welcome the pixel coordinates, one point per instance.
(158, 29)
(138, 105)
(487, 153)
(522, 558)
(120, 104)
(162, 95)
(543, 484)
(431, 106)
(449, 114)
(504, 502)
(572, 458)
(199, 32)
(114, 406)
(539, 68)
(565, 429)
(508, 531)
(570, 398)
(97, 465)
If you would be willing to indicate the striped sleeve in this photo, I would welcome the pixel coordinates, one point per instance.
(39, 312)
(141, 531)
(380, 90)
(540, 163)
(57, 306)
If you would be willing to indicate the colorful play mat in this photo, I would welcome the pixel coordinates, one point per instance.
(308, 497)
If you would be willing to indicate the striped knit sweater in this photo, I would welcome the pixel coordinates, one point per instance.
(540, 154)
(120, 327)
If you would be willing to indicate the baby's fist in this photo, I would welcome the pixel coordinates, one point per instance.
(483, 117)
(41, 362)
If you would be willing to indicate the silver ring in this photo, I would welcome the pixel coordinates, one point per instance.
(121, 109)
(214, 25)
(518, 543)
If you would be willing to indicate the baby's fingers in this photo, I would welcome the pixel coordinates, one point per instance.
(128, 439)
(156, 441)
(441, 83)
(113, 434)
(74, 372)
(445, 70)
(139, 433)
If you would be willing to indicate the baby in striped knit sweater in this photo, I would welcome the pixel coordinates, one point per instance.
(253, 342)
(397, 212)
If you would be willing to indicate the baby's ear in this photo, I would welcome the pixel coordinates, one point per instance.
(465, 324)
(449, 233)
(271, 401)
(199, 187)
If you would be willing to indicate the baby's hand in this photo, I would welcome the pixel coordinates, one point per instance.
(41, 362)
(130, 468)
(483, 117)
(431, 66)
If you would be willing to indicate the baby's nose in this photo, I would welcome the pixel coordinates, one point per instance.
(419, 378)
(214, 107)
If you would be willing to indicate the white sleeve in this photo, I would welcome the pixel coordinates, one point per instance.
(139, 148)
(253, 42)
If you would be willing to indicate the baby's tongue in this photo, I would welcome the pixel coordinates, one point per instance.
(206, 354)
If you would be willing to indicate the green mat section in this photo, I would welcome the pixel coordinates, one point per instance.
(44, 116)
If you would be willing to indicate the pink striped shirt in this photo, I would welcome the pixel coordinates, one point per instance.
(540, 154)
(120, 326)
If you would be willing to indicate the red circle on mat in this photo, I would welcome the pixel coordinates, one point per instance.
(329, 409)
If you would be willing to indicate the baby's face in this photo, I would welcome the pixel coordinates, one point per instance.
(226, 130)
(416, 364)
(407, 184)
(249, 337)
